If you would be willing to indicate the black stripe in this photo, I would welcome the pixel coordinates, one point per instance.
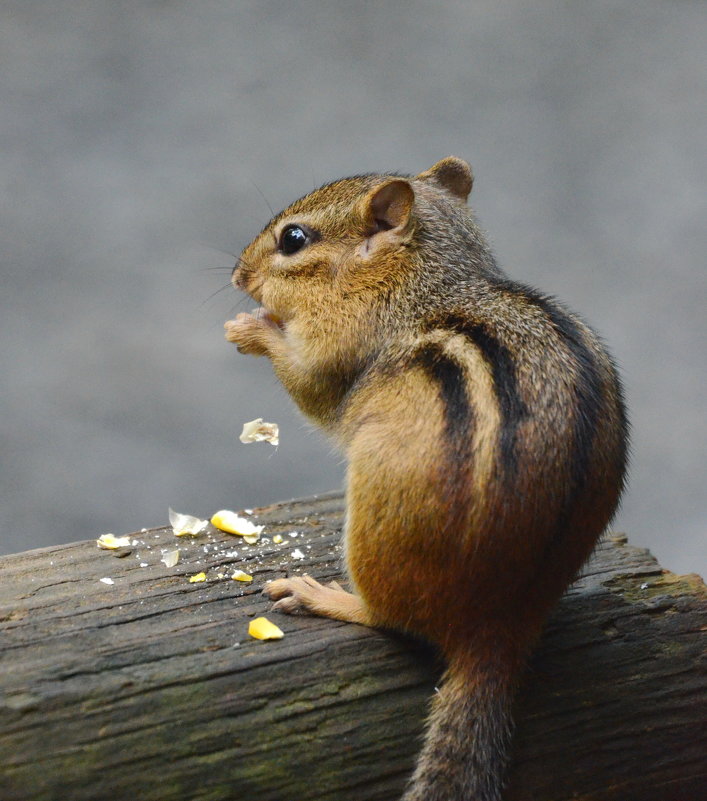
(588, 403)
(587, 389)
(455, 470)
(449, 377)
(503, 370)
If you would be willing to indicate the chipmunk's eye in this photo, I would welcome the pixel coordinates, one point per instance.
(292, 239)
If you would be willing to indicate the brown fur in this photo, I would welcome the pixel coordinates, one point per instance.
(484, 429)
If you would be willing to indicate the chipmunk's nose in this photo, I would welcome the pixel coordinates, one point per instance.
(237, 275)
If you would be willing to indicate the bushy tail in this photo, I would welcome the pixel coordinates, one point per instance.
(465, 754)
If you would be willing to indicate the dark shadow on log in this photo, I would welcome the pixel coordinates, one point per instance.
(151, 689)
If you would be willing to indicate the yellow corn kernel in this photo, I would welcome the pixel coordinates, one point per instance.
(262, 629)
(231, 523)
(110, 542)
(197, 578)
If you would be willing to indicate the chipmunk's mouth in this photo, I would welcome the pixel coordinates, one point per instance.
(269, 317)
(243, 281)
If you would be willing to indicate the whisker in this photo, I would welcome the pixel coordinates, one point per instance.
(259, 191)
(218, 250)
(240, 260)
(240, 303)
(217, 292)
(237, 257)
(339, 262)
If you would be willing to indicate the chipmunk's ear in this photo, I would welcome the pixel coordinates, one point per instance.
(387, 212)
(452, 175)
(388, 207)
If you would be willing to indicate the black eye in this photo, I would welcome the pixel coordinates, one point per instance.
(292, 239)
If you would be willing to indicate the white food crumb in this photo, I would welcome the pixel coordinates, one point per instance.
(171, 558)
(183, 525)
(258, 431)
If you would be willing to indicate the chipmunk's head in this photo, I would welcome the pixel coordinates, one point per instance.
(344, 242)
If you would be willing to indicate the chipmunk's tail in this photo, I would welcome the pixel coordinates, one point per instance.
(465, 753)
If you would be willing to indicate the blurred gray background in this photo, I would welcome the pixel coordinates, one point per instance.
(138, 141)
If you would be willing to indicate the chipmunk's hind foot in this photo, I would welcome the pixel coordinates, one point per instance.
(305, 595)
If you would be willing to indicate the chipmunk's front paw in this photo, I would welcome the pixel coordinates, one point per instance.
(252, 333)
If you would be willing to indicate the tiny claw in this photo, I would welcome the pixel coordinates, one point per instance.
(276, 589)
(288, 605)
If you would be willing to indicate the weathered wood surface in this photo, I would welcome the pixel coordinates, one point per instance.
(151, 689)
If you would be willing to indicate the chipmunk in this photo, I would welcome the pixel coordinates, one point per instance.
(484, 429)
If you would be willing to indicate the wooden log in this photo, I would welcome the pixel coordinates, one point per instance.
(150, 688)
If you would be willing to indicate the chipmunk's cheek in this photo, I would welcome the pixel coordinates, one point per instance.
(254, 288)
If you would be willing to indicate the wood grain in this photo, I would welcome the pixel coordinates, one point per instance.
(151, 689)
